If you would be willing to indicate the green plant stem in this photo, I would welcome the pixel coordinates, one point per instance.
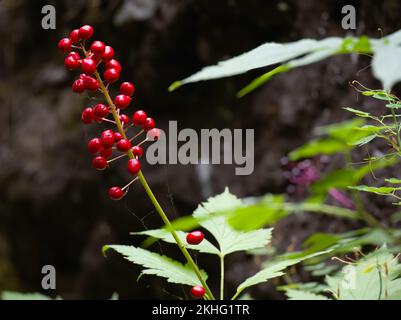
(221, 277)
(149, 192)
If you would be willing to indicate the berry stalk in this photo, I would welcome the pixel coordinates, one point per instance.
(148, 190)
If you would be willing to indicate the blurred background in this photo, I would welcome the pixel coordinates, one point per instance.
(54, 207)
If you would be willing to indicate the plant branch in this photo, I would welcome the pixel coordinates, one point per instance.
(149, 192)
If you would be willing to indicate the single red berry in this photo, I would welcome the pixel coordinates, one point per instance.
(71, 63)
(107, 139)
(106, 153)
(116, 193)
(118, 136)
(94, 145)
(74, 55)
(88, 116)
(133, 166)
(78, 86)
(97, 47)
(108, 53)
(124, 119)
(137, 151)
(88, 66)
(83, 76)
(195, 237)
(198, 292)
(149, 124)
(113, 64)
(99, 163)
(91, 83)
(64, 45)
(111, 75)
(122, 101)
(101, 110)
(85, 32)
(124, 145)
(153, 134)
(127, 88)
(139, 117)
(74, 36)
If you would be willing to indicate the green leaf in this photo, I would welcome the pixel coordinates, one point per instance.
(158, 265)
(379, 190)
(363, 141)
(316, 147)
(205, 246)
(386, 66)
(303, 295)
(229, 239)
(262, 56)
(272, 270)
(358, 113)
(393, 180)
(12, 295)
(342, 130)
(372, 278)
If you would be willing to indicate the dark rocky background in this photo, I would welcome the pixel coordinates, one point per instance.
(54, 208)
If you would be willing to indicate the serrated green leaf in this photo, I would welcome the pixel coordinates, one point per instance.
(229, 239)
(273, 270)
(156, 264)
(303, 295)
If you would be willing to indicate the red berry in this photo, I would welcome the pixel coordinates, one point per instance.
(195, 237)
(88, 116)
(153, 134)
(74, 36)
(127, 88)
(116, 193)
(198, 292)
(118, 136)
(91, 83)
(99, 163)
(133, 166)
(137, 151)
(101, 110)
(124, 145)
(108, 53)
(107, 139)
(139, 118)
(94, 145)
(97, 47)
(71, 63)
(122, 101)
(111, 75)
(106, 153)
(64, 45)
(78, 86)
(83, 76)
(149, 124)
(124, 119)
(113, 64)
(85, 32)
(74, 55)
(88, 66)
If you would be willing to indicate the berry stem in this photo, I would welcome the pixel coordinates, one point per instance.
(148, 190)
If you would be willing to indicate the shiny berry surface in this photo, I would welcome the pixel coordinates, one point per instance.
(122, 101)
(198, 292)
(127, 88)
(139, 118)
(133, 166)
(116, 193)
(88, 116)
(99, 163)
(195, 237)
(94, 145)
(124, 145)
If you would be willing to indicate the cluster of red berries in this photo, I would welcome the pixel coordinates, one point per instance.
(109, 141)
